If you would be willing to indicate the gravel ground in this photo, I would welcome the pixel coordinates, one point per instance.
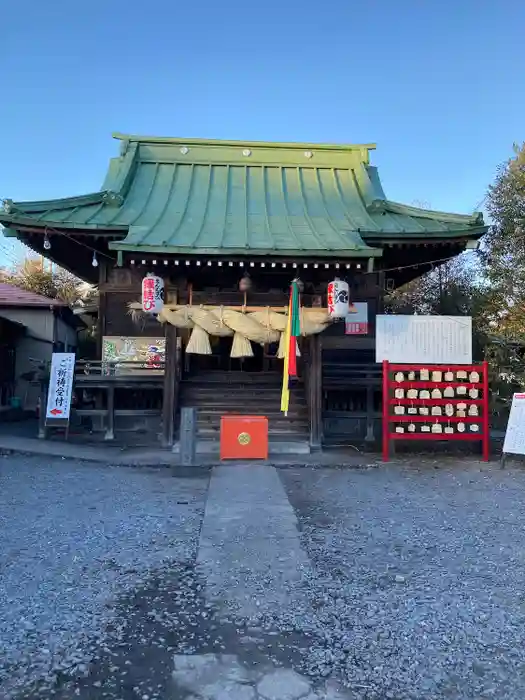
(420, 578)
(74, 539)
(413, 587)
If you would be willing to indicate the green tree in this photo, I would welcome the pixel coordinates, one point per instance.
(503, 251)
(454, 288)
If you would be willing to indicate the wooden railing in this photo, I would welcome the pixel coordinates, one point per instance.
(347, 375)
(104, 377)
(351, 402)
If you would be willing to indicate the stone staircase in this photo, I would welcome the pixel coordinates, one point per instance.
(218, 393)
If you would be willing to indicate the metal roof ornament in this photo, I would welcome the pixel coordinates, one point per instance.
(112, 198)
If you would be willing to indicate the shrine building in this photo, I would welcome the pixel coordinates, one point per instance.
(226, 226)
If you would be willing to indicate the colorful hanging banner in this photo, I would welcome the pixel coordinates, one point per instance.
(293, 331)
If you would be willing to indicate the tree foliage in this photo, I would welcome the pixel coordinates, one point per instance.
(504, 249)
(491, 286)
(454, 288)
(55, 283)
(503, 256)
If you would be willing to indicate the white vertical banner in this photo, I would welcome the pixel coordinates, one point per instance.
(60, 387)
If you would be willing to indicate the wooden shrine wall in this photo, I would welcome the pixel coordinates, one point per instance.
(351, 380)
(117, 288)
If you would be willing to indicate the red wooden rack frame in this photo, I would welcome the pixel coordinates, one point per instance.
(389, 401)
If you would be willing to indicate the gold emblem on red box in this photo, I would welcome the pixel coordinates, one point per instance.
(244, 439)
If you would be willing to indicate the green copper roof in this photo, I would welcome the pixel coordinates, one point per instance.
(222, 197)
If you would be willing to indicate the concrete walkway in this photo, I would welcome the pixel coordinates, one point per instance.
(254, 567)
(249, 553)
(225, 677)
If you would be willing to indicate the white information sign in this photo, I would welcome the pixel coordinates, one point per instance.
(515, 436)
(424, 339)
(60, 386)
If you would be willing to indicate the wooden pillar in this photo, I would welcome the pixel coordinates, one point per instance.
(170, 390)
(369, 409)
(110, 424)
(381, 282)
(42, 430)
(315, 391)
(101, 322)
(102, 306)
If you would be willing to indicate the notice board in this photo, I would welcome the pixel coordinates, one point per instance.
(515, 435)
(438, 340)
(60, 388)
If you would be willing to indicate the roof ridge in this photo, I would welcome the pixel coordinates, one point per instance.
(176, 140)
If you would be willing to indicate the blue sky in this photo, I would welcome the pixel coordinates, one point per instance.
(439, 86)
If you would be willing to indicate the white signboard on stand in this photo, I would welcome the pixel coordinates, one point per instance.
(515, 436)
(60, 388)
(438, 340)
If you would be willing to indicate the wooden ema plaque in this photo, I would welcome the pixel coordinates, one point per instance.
(435, 402)
(244, 437)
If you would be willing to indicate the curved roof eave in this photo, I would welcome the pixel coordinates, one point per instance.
(385, 205)
(401, 236)
(10, 220)
(366, 252)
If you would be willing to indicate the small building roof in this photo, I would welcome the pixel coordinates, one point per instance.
(193, 196)
(14, 296)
